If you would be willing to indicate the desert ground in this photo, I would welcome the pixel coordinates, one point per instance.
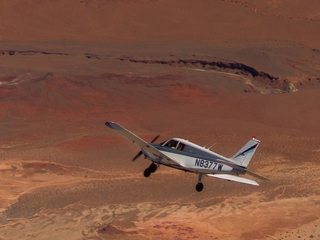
(215, 72)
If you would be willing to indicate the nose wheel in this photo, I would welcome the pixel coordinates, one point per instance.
(151, 169)
(199, 185)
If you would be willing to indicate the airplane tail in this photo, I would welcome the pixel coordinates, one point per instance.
(244, 155)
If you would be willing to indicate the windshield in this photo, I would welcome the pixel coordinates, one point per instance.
(174, 144)
(171, 144)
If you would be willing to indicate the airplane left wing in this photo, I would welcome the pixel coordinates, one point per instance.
(234, 178)
(147, 147)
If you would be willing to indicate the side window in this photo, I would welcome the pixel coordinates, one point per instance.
(189, 149)
(181, 146)
(171, 144)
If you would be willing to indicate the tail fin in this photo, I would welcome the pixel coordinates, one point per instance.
(244, 155)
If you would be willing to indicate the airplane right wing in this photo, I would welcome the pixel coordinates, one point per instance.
(234, 178)
(256, 175)
(242, 169)
(147, 147)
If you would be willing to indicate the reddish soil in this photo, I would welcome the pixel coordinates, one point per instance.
(213, 72)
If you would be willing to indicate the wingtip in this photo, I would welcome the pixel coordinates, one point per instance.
(256, 175)
(108, 124)
(113, 126)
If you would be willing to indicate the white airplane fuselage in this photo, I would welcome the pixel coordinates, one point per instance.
(192, 160)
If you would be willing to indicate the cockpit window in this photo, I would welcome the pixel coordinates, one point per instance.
(171, 144)
(181, 146)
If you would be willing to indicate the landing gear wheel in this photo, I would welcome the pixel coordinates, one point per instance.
(153, 167)
(199, 187)
(147, 172)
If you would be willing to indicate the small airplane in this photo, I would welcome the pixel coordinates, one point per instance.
(184, 155)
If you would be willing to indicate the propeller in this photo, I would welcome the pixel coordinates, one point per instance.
(137, 156)
(155, 139)
(140, 153)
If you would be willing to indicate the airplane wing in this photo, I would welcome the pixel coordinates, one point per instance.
(141, 143)
(235, 166)
(256, 175)
(234, 178)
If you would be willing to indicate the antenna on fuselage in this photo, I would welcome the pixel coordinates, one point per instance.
(212, 146)
(205, 146)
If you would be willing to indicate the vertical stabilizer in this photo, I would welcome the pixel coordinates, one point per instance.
(244, 155)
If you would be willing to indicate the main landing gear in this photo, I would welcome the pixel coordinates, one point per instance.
(151, 169)
(199, 185)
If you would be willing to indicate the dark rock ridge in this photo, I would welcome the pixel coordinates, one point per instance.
(218, 65)
(31, 52)
(207, 65)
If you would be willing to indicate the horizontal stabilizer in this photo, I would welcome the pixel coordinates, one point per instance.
(234, 178)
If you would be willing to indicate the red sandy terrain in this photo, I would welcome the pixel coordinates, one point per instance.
(208, 71)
